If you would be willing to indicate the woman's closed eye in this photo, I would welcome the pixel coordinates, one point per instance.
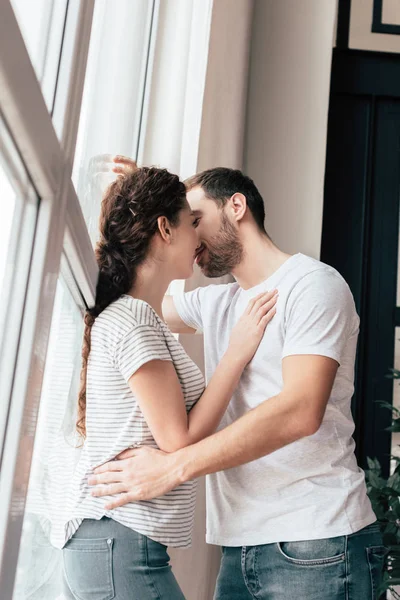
(196, 221)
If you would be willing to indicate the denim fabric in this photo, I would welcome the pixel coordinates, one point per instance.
(105, 560)
(347, 567)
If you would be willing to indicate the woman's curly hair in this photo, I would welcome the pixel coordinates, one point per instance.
(128, 221)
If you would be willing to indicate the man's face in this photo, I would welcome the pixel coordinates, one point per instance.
(221, 249)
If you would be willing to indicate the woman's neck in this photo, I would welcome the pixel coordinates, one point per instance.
(151, 286)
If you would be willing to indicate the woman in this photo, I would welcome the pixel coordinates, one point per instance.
(142, 388)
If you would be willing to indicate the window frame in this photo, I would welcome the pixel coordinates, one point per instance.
(48, 162)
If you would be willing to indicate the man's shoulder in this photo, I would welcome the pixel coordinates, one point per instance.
(318, 285)
(314, 273)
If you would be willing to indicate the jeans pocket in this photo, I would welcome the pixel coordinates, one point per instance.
(156, 554)
(376, 559)
(88, 568)
(314, 552)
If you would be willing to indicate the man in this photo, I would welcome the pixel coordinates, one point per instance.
(285, 497)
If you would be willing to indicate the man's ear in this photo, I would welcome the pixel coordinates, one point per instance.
(238, 205)
(164, 229)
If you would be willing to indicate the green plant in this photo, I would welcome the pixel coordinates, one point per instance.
(384, 494)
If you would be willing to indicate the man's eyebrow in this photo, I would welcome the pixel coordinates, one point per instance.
(196, 213)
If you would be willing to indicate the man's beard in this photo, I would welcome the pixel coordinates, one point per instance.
(225, 251)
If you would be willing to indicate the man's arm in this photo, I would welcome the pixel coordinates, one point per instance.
(172, 318)
(295, 413)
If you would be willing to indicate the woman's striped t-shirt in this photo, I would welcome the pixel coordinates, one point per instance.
(125, 336)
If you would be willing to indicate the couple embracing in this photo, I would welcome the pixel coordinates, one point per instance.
(272, 429)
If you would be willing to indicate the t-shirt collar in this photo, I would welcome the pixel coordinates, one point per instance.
(273, 280)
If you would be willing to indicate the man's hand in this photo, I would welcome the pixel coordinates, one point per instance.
(137, 474)
(124, 165)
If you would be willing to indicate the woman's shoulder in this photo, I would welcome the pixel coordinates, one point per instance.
(123, 315)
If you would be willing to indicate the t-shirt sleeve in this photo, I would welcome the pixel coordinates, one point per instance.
(320, 316)
(189, 307)
(139, 346)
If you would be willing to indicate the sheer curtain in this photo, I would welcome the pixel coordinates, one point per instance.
(113, 96)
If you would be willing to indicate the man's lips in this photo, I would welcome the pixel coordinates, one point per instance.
(198, 254)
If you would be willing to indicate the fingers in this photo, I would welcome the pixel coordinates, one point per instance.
(124, 165)
(120, 501)
(263, 302)
(259, 300)
(267, 318)
(113, 465)
(128, 453)
(253, 301)
(119, 158)
(108, 490)
(121, 170)
(265, 307)
(105, 478)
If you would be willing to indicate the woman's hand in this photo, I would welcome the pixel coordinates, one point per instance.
(124, 165)
(249, 330)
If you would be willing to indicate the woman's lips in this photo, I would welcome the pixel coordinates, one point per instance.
(198, 256)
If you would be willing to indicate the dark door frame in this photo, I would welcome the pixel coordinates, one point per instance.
(360, 224)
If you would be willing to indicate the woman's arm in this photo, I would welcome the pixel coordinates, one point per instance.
(159, 394)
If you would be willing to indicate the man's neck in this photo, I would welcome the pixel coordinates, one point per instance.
(261, 259)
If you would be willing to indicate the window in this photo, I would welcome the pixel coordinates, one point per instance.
(42, 26)
(47, 266)
(112, 101)
(56, 449)
(18, 218)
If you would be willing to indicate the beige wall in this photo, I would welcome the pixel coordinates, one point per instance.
(287, 111)
(280, 139)
(360, 35)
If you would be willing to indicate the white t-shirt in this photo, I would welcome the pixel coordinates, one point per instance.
(125, 336)
(312, 488)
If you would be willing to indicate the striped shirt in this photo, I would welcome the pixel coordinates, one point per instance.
(125, 336)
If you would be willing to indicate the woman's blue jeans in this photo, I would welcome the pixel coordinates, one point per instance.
(105, 560)
(347, 567)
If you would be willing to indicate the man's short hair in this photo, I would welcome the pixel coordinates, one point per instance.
(220, 183)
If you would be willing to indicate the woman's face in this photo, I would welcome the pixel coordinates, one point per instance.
(185, 245)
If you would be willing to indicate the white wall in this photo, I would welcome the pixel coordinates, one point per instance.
(287, 109)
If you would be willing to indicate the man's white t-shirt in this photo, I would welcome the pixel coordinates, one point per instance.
(312, 488)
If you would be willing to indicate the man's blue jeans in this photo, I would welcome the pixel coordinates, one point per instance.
(347, 567)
